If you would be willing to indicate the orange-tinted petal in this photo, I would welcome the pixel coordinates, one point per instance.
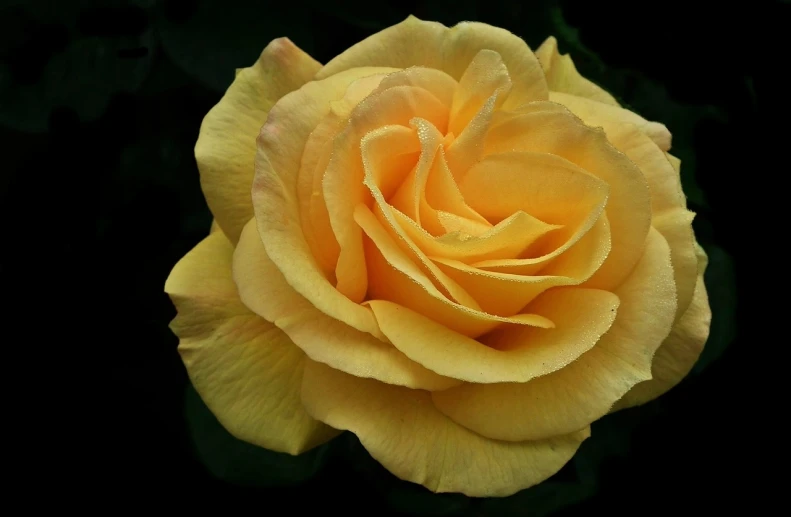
(585, 390)
(629, 206)
(281, 144)
(263, 289)
(522, 352)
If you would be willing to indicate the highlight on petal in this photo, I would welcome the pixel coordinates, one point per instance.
(680, 351)
(512, 353)
(246, 370)
(414, 42)
(263, 289)
(548, 128)
(404, 432)
(225, 150)
(562, 75)
(582, 392)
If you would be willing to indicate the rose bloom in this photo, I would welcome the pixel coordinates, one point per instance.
(458, 249)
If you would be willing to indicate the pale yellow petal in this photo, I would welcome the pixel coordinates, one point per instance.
(562, 75)
(414, 42)
(585, 390)
(678, 354)
(245, 369)
(486, 76)
(588, 108)
(225, 150)
(404, 432)
(560, 133)
(522, 352)
(264, 290)
(280, 146)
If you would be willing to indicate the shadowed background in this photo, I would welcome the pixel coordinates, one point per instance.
(101, 102)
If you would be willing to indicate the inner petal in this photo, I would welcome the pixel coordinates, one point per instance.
(486, 76)
(547, 187)
(397, 278)
(342, 184)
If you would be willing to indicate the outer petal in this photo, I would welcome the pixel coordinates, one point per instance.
(678, 354)
(574, 396)
(562, 75)
(264, 290)
(668, 204)
(225, 150)
(414, 42)
(246, 370)
(405, 433)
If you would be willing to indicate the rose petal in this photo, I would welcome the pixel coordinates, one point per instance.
(318, 151)
(562, 75)
(580, 256)
(396, 277)
(680, 351)
(246, 370)
(668, 203)
(343, 180)
(281, 144)
(522, 352)
(547, 187)
(591, 112)
(225, 150)
(263, 289)
(379, 174)
(414, 42)
(629, 205)
(405, 433)
(486, 76)
(585, 390)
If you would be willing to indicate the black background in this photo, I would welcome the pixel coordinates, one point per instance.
(101, 102)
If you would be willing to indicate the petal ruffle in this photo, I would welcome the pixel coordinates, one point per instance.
(247, 371)
(404, 432)
(263, 289)
(585, 390)
(682, 348)
(415, 42)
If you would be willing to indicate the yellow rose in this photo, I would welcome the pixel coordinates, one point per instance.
(457, 249)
